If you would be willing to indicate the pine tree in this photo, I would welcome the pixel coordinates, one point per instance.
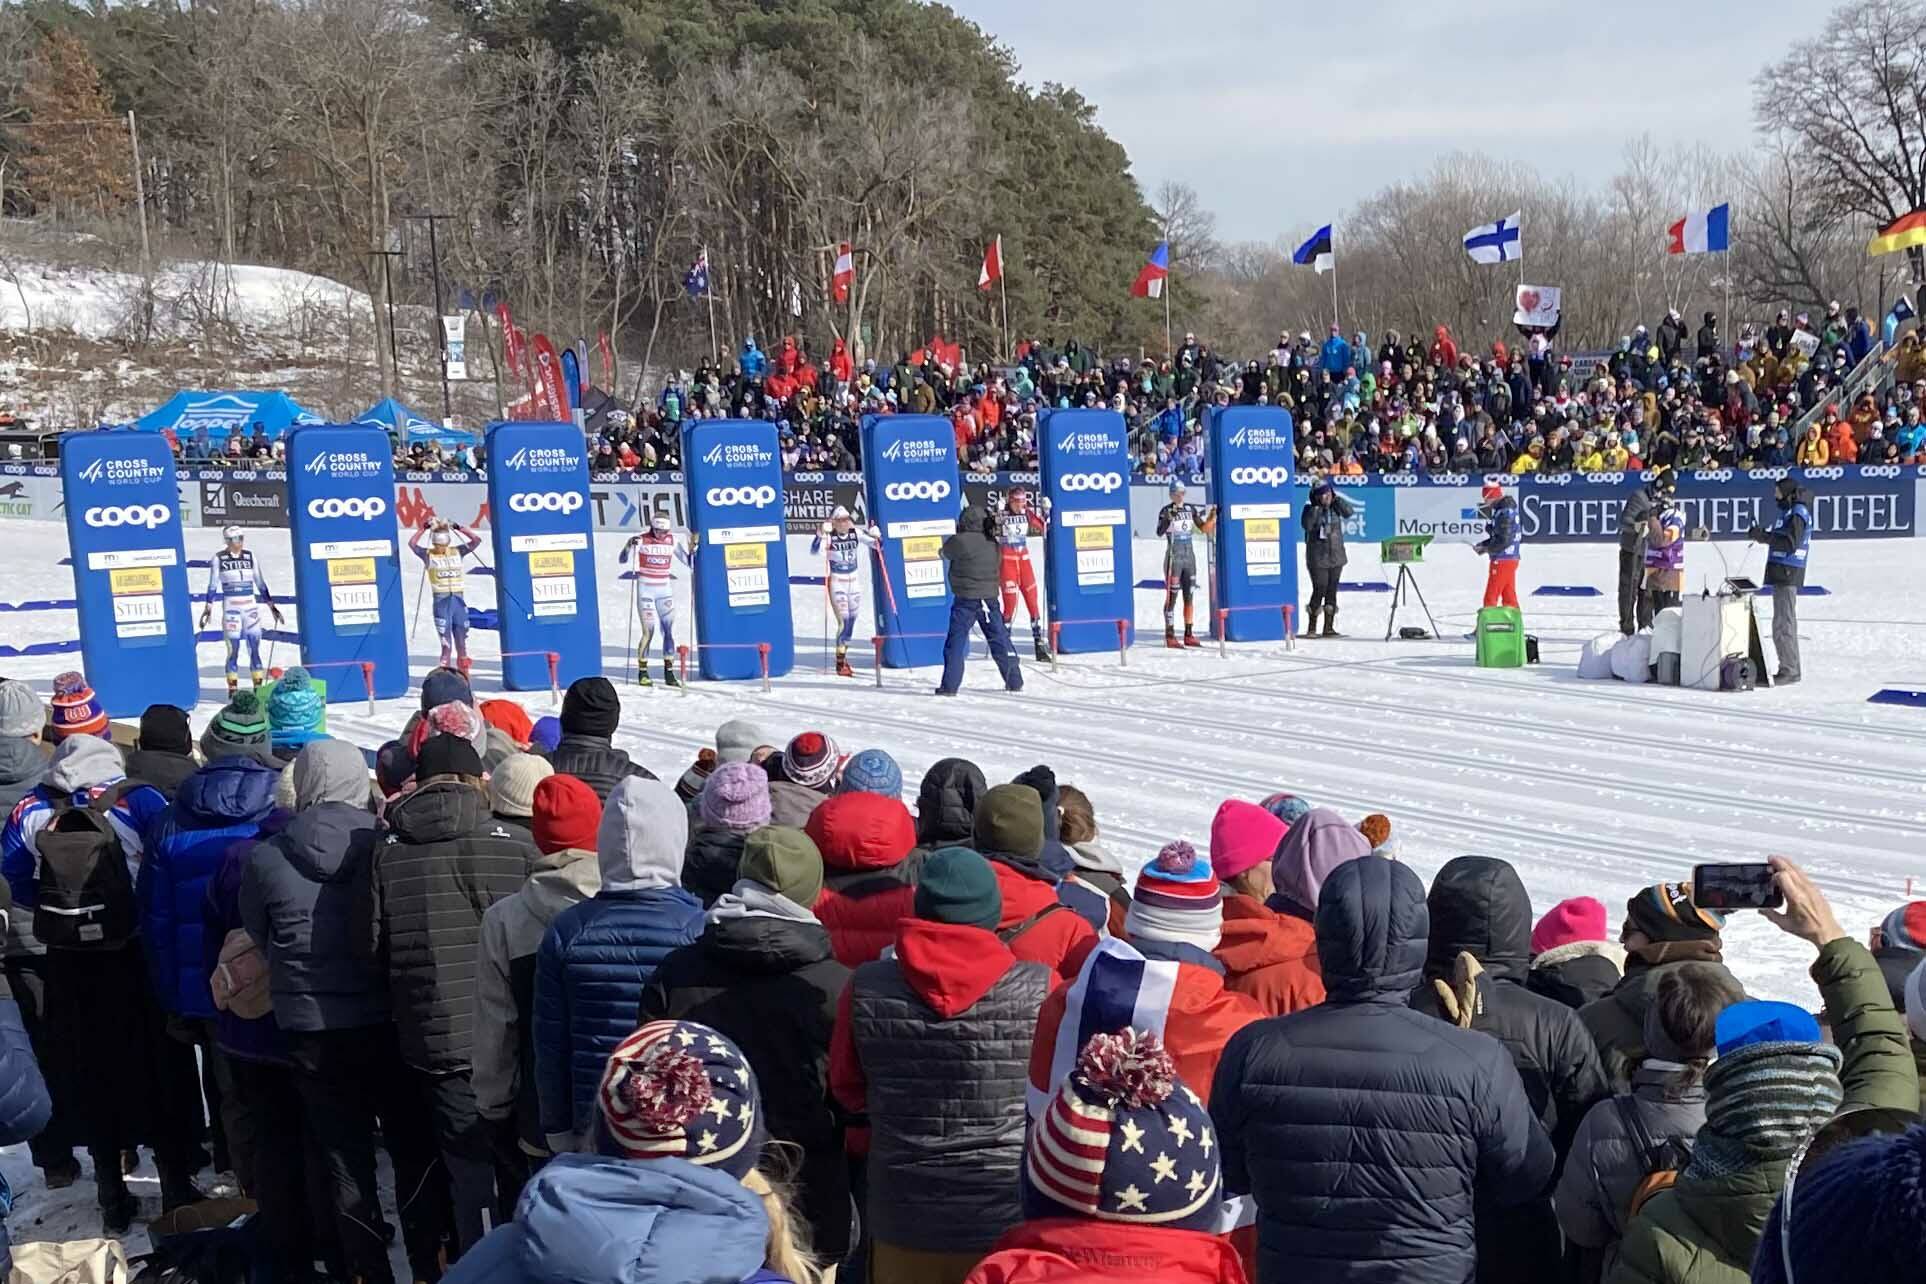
(75, 150)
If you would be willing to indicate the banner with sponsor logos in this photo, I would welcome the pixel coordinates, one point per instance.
(246, 498)
(347, 558)
(1257, 524)
(1088, 567)
(130, 570)
(914, 495)
(544, 554)
(741, 575)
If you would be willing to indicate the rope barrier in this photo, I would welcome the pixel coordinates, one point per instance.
(1287, 609)
(367, 668)
(1123, 638)
(554, 671)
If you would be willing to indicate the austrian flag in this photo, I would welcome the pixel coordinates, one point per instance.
(844, 276)
(992, 265)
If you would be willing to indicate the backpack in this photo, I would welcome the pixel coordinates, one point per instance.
(86, 893)
(1663, 1161)
(1017, 931)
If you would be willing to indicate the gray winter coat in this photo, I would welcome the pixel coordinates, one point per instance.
(1605, 1165)
(1324, 533)
(976, 562)
(946, 1089)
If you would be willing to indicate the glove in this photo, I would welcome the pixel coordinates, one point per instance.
(275, 611)
(1039, 778)
(827, 530)
(1459, 996)
(1757, 534)
(1043, 505)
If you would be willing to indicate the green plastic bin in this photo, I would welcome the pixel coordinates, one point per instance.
(1501, 638)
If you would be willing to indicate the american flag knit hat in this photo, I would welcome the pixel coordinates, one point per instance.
(678, 1090)
(1125, 1141)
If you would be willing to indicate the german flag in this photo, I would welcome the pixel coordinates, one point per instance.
(1902, 233)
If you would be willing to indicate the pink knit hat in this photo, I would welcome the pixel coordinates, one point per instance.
(1242, 835)
(1581, 918)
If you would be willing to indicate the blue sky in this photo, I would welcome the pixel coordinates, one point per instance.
(1284, 115)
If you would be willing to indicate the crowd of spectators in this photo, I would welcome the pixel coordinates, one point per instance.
(773, 1023)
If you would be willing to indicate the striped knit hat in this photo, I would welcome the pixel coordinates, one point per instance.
(1666, 912)
(77, 711)
(239, 729)
(1125, 1141)
(1905, 927)
(811, 760)
(1177, 898)
(1775, 1082)
(678, 1090)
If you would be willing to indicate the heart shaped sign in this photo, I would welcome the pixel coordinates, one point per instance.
(1528, 300)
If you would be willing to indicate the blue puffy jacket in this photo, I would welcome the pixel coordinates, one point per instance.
(585, 1219)
(24, 1104)
(218, 806)
(596, 956)
(1365, 1129)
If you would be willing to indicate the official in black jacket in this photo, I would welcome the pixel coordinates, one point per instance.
(975, 569)
(1476, 966)
(762, 974)
(1634, 607)
(1365, 1129)
(590, 712)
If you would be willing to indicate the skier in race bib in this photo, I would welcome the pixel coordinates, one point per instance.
(656, 553)
(235, 581)
(1178, 523)
(444, 562)
(842, 573)
(1015, 525)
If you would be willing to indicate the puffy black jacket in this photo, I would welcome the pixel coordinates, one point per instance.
(1479, 907)
(709, 864)
(1364, 1128)
(595, 762)
(299, 899)
(1324, 532)
(442, 863)
(771, 984)
(1576, 972)
(946, 803)
(976, 562)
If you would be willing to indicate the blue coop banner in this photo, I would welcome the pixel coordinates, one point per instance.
(130, 570)
(347, 569)
(544, 554)
(1087, 574)
(914, 493)
(1256, 538)
(734, 476)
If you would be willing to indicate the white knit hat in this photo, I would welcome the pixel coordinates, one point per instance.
(21, 713)
(511, 788)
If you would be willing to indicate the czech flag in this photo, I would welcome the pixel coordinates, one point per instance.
(1901, 234)
(1150, 281)
(844, 276)
(1702, 232)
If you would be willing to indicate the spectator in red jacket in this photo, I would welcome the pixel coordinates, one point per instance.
(1270, 956)
(869, 883)
(1036, 926)
(1143, 1201)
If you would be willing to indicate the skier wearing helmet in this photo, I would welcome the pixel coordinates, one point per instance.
(1018, 521)
(236, 581)
(656, 554)
(444, 561)
(1502, 537)
(1178, 522)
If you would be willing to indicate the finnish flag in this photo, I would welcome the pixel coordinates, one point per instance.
(1499, 242)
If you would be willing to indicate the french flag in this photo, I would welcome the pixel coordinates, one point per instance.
(1150, 281)
(1705, 232)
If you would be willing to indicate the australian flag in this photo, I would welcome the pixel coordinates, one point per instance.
(697, 281)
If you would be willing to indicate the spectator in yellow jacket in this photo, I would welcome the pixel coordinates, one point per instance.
(1812, 451)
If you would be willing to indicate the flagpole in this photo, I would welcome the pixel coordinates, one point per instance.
(1725, 309)
(1003, 291)
(1334, 299)
(715, 354)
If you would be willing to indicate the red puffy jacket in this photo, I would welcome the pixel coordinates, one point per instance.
(1037, 926)
(1066, 1250)
(868, 884)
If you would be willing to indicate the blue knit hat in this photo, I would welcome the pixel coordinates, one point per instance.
(1858, 1216)
(1288, 808)
(872, 772)
(296, 713)
(1763, 1021)
(547, 734)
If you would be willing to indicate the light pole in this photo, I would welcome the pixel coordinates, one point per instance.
(434, 255)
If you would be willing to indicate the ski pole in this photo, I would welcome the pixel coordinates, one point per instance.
(414, 625)
(829, 605)
(634, 601)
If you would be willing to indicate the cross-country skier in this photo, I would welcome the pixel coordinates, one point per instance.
(444, 562)
(1502, 536)
(656, 553)
(1178, 522)
(1015, 525)
(234, 579)
(846, 542)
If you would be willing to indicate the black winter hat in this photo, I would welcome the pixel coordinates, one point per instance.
(446, 755)
(164, 729)
(591, 707)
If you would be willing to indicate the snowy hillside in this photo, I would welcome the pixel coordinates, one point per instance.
(93, 303)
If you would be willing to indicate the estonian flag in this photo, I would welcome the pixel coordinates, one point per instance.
(1316, 252)
(1902, 312)
(1150, 282)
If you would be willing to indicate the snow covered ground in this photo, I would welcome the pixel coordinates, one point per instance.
(1589, 788)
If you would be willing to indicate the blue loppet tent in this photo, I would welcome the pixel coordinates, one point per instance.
(388, 412)
(190, 410)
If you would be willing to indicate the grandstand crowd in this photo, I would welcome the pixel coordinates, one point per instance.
(782, 1018)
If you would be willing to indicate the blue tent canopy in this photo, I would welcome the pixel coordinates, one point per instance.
(221, 413)
(388, 412)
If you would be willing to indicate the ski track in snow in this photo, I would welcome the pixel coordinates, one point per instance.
(1588, 788)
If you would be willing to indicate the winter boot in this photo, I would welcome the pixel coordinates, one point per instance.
(1170, 638)
(233, 684)
(464, 665)
(1330, 622)
(1190, 638)
(118, 1207)
(668, 674)
(1043, 651)
(259, 677)
(842, 666)
(642, 678)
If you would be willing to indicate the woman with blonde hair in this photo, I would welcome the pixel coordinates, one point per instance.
(671, 1193)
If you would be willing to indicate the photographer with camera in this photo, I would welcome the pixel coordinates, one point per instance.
(1634, 529)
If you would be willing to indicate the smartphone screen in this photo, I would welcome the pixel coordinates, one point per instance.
(1735, 887)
